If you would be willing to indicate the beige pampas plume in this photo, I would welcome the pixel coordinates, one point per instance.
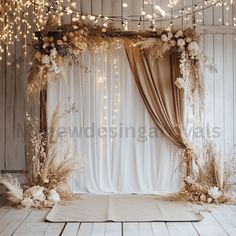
(15, 193)
(65, 168)
(49, 165)
(54, 124)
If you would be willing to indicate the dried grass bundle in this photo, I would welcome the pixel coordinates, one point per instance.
(210, 181)
(37, 79)
(15, 193)
(48, 168)
(209, 174)
(48, 175)
(55, 173)
(52, 134)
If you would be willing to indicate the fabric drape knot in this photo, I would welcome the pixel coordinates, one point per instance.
(189, 157)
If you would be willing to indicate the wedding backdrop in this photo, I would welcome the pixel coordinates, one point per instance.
(217, 41)
(110, 129)
(123, 100)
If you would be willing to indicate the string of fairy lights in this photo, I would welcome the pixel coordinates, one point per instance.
(19, 19)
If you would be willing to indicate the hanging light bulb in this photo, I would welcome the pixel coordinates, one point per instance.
(172, 3)
(124, 4)
(92, 18)
(143, 13)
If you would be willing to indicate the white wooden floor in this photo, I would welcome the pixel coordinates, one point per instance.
(220, 221)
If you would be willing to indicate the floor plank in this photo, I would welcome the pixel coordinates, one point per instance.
(54, 229)
(7, 206)
(34, 224)
(159, 228)
(113, 229)
(31, 222)
(71, 229)
(85, 229)
(233, 207)
(12, 220)
(209, 226)
(226, 217)
(146, 229)
(131, 229)
(181, 229)
(98, 229)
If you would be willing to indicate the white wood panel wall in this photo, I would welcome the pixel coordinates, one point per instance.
(221, 87)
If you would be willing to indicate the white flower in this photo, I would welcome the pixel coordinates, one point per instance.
(179, 34)
(37, 193)
(27, 202)
(180, 83)
(209, 200)
(188, 179)
(64, 38)
(193, 48)
(181, 43)
(203, 197)
(53, 53)
(164, 38)
(54, 67)
(170, 35)
(45, 59)
(57, 70)
(214, 192)
(53, 196)
(188, 39)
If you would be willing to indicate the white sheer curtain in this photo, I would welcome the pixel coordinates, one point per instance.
(108, 127)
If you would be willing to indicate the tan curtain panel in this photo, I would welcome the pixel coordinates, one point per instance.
(155, 79)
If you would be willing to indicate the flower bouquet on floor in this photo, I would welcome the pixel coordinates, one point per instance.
(209, 184)
(48, 174)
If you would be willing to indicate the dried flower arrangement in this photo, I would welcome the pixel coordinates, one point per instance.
(48, 175)
(70, 41)
(210, 181)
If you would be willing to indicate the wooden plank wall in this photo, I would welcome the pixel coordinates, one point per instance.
(221, 87)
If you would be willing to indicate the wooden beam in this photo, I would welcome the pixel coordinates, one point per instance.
(13, 171)
(216, 29)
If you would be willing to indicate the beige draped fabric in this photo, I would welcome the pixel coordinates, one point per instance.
(155, 79)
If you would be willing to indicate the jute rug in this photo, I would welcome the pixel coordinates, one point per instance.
(125, 208)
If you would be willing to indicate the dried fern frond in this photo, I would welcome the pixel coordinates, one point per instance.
(15, 193)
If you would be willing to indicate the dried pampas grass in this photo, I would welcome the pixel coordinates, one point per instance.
(49, 172)
(56, 172)
(37, 80)
(209, 184)
(56, 116)
(15, 193)
(209, 173)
